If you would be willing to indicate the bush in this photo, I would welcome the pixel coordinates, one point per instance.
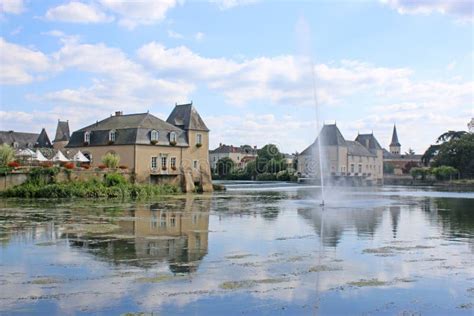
(69, 165)
(102, 167)
(85, 165)
(266, 177)
(46, 164)
(123, 167)
(113, 179)
(6, 155)
(418, 173)
(111, 160)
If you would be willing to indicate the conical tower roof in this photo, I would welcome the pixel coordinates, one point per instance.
(394, 137)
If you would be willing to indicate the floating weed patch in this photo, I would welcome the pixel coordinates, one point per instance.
(239, 256)
(294, 237)
(156, 279)
(45, 281)
(104, 228)
(390, 250)
(371, 282)
(323, 268)
(466, 306)
(235, 285)
(46, 243)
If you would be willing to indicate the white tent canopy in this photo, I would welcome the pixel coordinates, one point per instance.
(26, 153)
(39, 156)
(59, 157)
(79, 157)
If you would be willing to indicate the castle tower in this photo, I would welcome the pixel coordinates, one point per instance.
(62, 135)
(395, 146)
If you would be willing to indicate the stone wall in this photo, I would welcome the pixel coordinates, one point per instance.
(12, 179)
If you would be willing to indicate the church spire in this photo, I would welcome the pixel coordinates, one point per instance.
(395, 146)
(394, 137)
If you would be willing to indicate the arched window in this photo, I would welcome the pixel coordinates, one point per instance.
(87, 137)
(154, 136)
(112, 135)
(172, 137)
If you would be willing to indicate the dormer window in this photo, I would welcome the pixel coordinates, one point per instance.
(112, 136)
(173, 138)
(154, 136)
(87, 137)
(198, 139)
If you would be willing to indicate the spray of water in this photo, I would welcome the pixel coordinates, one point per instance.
(304, 36)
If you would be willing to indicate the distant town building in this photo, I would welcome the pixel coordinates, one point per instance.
(362, 158)
(157, 151)
(20, 140)
(470, 126)
(394, 159)
(240, 155)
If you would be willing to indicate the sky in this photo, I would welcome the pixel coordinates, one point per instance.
(258, 72)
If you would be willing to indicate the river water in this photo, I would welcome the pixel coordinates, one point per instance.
(258, 248)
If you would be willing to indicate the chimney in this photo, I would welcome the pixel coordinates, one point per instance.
(220, 144)
(118, 113)
(255, 147)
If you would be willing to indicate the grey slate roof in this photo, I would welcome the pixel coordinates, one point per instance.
(330, 136)
(394, 141)
(356, 149)
(24, 140)
(43, 140)
(130, 129)
(62, 132)
(186, 117)
(369, 141)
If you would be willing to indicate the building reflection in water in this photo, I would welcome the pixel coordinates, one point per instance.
(150, 234)
(330, 224)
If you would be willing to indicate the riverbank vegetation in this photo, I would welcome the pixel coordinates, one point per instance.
(41, 183)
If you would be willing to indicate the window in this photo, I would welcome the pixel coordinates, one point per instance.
(195, 164)
(112, 135)
(154, 220)
(198, 139)
(163, 220)
(154, 136)
(214, 158)
(153, 162)
(173, 220)
(360, 168)
(352, 168)
(163, 162)
(87, 137)
(173, 137)
(173, 162)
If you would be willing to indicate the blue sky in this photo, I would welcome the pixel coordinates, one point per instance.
(246, 65)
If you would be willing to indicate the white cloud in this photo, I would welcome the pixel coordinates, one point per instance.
(282, 79)
(12, 6)
(199, 36)
(461, 9)
(229, 4)
(21, 65)
(77, 12)
(176, 35)
(133, 13)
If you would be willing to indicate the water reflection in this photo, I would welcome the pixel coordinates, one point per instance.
(148, 234)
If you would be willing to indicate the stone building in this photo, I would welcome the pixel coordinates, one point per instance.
(20, 140)
(401, 163)
(62, 135)
(342, 159)
(156, 151)
(240, 155)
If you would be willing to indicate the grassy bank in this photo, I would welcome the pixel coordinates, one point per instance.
(112, 186)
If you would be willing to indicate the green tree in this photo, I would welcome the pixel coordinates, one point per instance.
(457, 153)
(269, 159)
(419, 173)
(111, 160)
(429, 154)
(388, 168)
(450, 135)
(225, 166)
(6, 155)
(444, 172)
